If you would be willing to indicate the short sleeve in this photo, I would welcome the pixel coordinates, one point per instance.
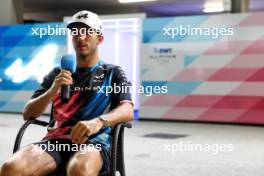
(120, 80)
(46, 83)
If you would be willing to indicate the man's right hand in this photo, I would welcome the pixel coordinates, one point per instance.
(63, 78)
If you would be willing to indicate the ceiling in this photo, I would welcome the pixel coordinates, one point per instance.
(51, 10)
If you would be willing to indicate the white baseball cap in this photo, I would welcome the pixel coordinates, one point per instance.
(88, 18)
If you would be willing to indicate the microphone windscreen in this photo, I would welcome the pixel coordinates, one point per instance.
(68, 62)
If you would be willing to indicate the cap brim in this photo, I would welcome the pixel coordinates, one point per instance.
(74, 24)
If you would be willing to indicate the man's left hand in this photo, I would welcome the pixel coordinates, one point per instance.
(83, 129)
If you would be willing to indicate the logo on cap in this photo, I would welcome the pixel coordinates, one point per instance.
(84, 16)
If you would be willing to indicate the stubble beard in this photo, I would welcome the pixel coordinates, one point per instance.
(84, 56)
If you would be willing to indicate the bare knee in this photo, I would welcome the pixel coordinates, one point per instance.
(10, 168)
(81, 168)
(29, 160)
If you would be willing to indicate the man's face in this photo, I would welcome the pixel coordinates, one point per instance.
(85, 40)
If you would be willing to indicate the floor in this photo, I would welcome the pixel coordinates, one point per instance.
(172, 148)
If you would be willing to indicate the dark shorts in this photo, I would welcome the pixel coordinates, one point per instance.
(62, 157)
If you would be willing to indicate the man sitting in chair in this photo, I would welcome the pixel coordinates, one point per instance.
(87, 117)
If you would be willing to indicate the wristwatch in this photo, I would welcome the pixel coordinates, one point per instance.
(105, 122)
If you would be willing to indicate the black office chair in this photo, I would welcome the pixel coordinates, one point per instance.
(117, 150)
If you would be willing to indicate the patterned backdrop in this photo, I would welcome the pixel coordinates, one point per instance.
(209, 78)
(24, 58)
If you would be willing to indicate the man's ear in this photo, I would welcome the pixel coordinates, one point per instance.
(100, 39)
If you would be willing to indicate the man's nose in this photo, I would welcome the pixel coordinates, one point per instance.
(81, 37)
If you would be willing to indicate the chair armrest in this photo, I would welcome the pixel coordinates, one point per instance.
(117, 128)
(23, 129)
(126, 124)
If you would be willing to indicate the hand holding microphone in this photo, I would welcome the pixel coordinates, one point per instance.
(63, 80)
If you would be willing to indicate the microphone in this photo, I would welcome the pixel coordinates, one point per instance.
(68, 62)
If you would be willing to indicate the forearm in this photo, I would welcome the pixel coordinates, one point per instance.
(123, 113)
(35, 107)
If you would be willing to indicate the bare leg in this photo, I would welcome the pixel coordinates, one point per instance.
(88, 163)
(29, 161)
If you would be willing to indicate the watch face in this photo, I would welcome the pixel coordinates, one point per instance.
(105, 122)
